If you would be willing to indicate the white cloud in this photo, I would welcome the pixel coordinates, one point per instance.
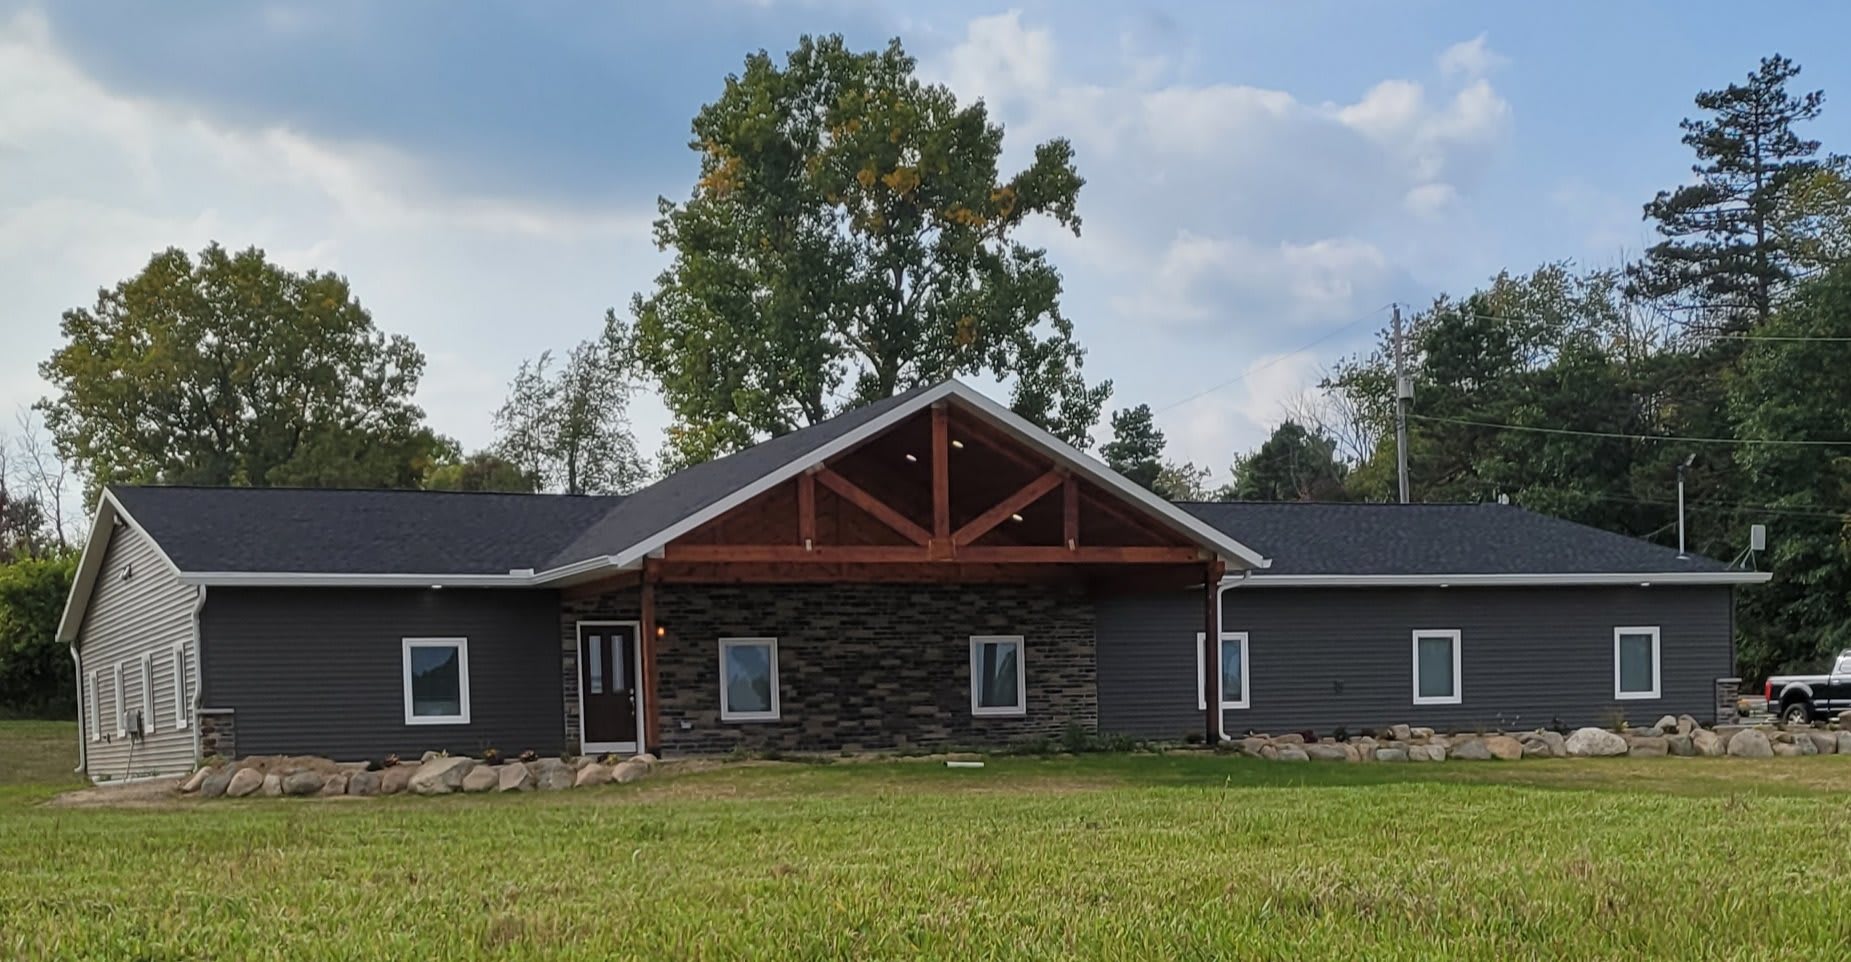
(1471, 58)
(97, 180)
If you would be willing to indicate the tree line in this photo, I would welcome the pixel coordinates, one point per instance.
(850, 234)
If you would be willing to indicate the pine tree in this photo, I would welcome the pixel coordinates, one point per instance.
(1136, 448)
(1724, 258)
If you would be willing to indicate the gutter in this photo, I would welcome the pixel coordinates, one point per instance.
(1538, 580)
(199, 671)
(83, 750)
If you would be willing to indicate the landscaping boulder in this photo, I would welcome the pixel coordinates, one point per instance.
(1708, 743)
(1420, 733)
(1594, 743)
(1554, 744)
(395, 779)
(1399, 733)
(551, 774)
(273, 785)
(197, 779)
(633, 771)
(1427, 753)
(1786, 749)
(482, 778)
(363, 783)
(1289, 738)
(1844, 743)
(1293, 753)
(335, 784)
(1844, 718)
(1471, 750)
(1680, 745)
(1326, 752)
(1824, 743)
(1391, 755)
(649, 761)
(1750, 744)
(215, 784)
(1251, 747)
(1504, 747)
(1668, 723)
(592, 774)
(244, 782)
(299, 783)
(1686, 724)
(514, 778)
(441, 776)
(1647, 746)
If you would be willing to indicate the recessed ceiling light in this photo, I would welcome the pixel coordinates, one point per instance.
(957, 444)
(436, 587)
(1645, 584)
(911, 458)
(1015, 517)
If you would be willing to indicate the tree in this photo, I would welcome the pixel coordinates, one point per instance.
(1182, 482)
(1798, 391)
(35, 670)
(568, 427)
(1815, 210)
(849, 231)
(481, 471)
(1136, 448)
(1724, 256)
(1294, 464)
(232, 370)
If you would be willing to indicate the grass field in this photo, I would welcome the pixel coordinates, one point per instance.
(1097, 857)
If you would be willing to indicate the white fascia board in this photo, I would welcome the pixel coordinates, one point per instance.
(83, 584)
(341, 579)
(1506, 580)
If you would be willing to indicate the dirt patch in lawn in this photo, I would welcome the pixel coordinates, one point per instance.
(150, 793)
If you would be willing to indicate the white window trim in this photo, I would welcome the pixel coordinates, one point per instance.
(1020, 708)
(96, 710)
(1657, 678)
(147, 693)
(1458, 695)
(462, 671)
(182, 684)
(726, 711)
(122, 729)
(1201, 679)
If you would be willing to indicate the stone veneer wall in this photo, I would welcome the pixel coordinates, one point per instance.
(218, 734)
(860, 667)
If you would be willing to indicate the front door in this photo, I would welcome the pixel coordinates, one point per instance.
(607, 685)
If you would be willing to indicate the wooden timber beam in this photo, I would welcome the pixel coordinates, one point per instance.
(1211, 649)
(806, 509)
(1032, 554)
(903, 554)
(881, 510)
(1070, 513)
(871, 554)
(652, 705)
(941, 472)
(1029, 494)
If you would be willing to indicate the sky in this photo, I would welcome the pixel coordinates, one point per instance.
(1263, 178)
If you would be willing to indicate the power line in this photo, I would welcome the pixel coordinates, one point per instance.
(1257, 368)
(1824, 514)
(1627, 437)
(1713, 337)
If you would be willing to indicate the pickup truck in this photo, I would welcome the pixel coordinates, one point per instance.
(1803, 698)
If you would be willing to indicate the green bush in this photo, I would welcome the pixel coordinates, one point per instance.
(37, 679)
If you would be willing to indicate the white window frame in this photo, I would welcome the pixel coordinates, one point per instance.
(1201, 678)
(182, 686)
(1657, 678)
(1451, 634)
(122, 729)
(726, 711)
(147, 693)
(96, 709)
(1020, 708)
(462, 671)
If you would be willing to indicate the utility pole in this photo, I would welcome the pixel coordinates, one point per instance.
(1404, 392)
(1682, 466)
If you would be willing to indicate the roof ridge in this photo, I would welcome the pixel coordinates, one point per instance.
(300, 489)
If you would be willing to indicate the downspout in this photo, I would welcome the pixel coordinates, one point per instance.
(199, 671)
(1221, 624)
(83, 754)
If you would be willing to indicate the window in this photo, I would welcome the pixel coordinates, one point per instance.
(1635, 662)
(436, 681)
(748, 679)
(120, 706)
(1436, 666)
(147, 693)
(96, 710)
(183, 702)
(1233, 670)
(997, 683)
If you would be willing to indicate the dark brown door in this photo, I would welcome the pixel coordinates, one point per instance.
(607, 679)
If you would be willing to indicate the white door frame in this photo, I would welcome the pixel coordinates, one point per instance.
(636, 676)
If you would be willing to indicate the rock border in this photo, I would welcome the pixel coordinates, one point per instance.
(279, 776)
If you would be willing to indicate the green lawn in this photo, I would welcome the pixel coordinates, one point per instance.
(1096, 857)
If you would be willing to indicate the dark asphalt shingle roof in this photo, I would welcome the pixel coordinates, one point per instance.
(362, 532)
(685, 493)
(1429, 539)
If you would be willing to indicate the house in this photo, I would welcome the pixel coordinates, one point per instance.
(929, 570)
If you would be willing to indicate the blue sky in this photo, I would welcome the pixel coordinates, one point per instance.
(1260, 175)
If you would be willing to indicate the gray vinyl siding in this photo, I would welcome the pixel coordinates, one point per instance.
(320, 670)
(139, 608)
(1323, 657)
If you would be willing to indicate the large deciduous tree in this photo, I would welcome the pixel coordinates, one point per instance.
(481, 471)
(567, 426)
(850, 237)
(1294, 464)
(1725, 257)
(232, 370)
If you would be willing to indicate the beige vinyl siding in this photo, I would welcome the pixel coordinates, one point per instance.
(145, 616)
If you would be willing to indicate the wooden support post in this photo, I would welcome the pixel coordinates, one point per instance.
(1070, 513)
(651, 735)
(806, 510)
(1211, 650)
(941, 473)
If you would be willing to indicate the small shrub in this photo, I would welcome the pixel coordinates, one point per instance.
(391, 761)
(1310, 736)
(1559, 726)
(491, 756)
(529, 755)
(1341, 734)
(1368, 733)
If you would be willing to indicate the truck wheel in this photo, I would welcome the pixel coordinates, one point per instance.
(1798, 713)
